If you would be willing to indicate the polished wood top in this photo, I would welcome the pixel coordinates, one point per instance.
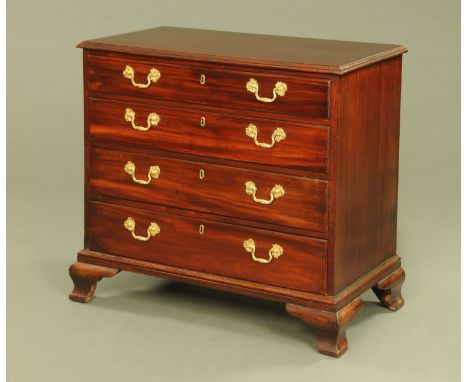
(293, 53)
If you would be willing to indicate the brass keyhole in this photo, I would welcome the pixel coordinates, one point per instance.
(202, 79)
(201, 229)
(202, 174)
(202, 121)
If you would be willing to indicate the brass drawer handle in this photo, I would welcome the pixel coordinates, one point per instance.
(152, 230)
(275, 193)
(278, 135)
(275, 251)
(152, 120)
(279, 90)
(153, 76)
(153, 173)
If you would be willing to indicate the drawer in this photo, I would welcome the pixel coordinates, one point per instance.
(295, 202)
(238, 138)
(303, 98)
(297, 262)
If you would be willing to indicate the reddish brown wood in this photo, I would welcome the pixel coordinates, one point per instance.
(338, 165)
(366, 169)
(286, 53)
(329, 327)
(205, 215)
(211, 160)
(305, 98)
(85, 277)
(388, 290)
(235, 285)
(86, 144)
(219, 250)
(335, 107)
(223, 136)
(221, 191)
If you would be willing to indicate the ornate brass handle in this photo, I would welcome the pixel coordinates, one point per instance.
(152, 120)
(153, 76)
(279, 90)
(153, 173)
(152, 230)
(275, 193)
(278, 135)
(275, 251)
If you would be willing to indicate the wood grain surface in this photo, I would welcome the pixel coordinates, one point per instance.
(85, 277)
(220, 192)
(366, 170)
(219, 250)
(329, 327)
(335, 224)
(305, 98)
(286, 53)
(223, 136)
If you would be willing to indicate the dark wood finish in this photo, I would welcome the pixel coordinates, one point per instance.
(85, 277)
(388, 290)
(223, 136)
(306, 98)
(366, 171)
(335, 94)
(220, 192)
(251, 288)
(329, 327)
(287, 53)
(340, 298)
(219, 250)
(211, 160)
(268, 225)
(338, 165)
(86, 144)
(215, 106)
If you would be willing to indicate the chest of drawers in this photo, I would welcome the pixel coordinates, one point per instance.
(254, 164)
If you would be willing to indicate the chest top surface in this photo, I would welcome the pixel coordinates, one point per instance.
(293, 53)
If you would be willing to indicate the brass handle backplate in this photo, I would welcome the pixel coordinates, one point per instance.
(278, 135)
(279, 90)
(153, 173)
(152, 230)
(152, 120)
(275, 193)
(275, 252)
(153, 76)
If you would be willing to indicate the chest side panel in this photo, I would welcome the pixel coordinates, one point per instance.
(367, 144)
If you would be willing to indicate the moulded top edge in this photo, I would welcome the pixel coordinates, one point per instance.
(291, 53)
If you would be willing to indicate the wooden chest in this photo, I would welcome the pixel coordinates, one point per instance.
(255, 164)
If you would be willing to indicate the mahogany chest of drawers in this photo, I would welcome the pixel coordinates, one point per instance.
(255, 164)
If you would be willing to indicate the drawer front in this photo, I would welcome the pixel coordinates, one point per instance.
(294, 201)
(303, 98)
(211, 134)
(296, 262)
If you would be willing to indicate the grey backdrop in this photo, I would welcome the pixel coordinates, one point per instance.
(141, 328)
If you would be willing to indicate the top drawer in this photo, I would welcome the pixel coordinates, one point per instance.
(297, 98)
